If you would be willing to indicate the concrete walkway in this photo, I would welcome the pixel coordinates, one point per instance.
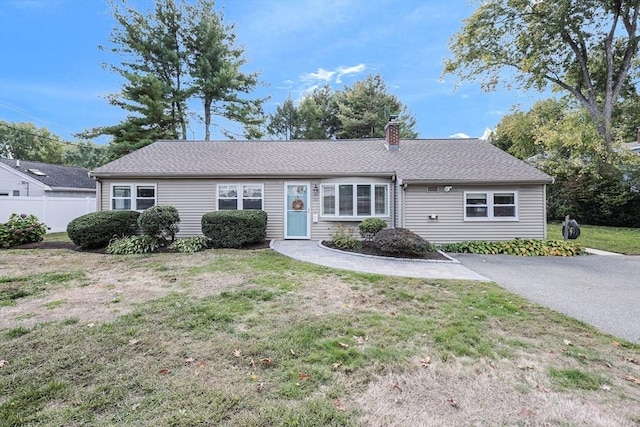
(311, 251)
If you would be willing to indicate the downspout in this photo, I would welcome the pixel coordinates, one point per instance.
(544, 217)
(400, 203)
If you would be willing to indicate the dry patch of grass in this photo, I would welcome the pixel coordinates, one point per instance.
(254, 339)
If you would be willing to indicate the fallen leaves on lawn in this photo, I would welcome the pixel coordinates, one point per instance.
(615, 343)
(303, 376)
(252, 363)
(542, 388)
(426, 362)
(3, 362)
(359, 340)
(293, 353)
(567, 342)
(133, 342)
(605, 387)
(266, 361)
(397, 387)
(343, 345)
(338, 405)
(237, 352)
(164, 371)
(632, 360)
(632, 379)
(189, 360)
(451, 401)
(335, 366)
(526, 412)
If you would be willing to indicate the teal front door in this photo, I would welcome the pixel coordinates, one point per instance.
(296, 218)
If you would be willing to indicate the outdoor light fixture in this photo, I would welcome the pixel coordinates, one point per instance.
(315, 190)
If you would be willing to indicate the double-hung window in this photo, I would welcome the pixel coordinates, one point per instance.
(355, 200)
(240, 196)
(491, 205)
(137, 197)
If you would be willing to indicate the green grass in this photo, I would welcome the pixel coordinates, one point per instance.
(289, 344)
(57, 237)
(614, 239)
(12, 288)
(576, 379)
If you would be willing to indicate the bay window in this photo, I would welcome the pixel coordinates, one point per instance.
(355, 200)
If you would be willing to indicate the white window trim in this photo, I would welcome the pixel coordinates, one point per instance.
(133, 187)
(490, 205)
(239, 194)
(336, 187)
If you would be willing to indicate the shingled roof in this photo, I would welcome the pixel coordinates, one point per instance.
(417, 160)
(55, 176)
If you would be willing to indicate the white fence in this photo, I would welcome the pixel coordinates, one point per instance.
(55, 212)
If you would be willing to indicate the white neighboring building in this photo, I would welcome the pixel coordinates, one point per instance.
(56, 194)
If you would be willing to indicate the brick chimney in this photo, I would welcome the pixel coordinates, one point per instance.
(392, 134)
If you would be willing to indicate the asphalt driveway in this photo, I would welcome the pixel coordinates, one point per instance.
(603, 291)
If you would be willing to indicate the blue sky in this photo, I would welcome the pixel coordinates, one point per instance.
(51, 74)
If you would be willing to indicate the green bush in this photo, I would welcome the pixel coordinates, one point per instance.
(21, 229)
(523, 247)
(370, 227)
(97, 229)
(343, 237)
(190, 244)
(234, 229)
(160, 223)
(132, 245)
(401, 241)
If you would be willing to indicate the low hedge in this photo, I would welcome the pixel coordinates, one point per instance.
(96, 229)
(523, 247)
(160, 223)
(400, 241)
(234, 229)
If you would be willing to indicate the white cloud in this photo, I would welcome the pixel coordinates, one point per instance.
(345, 71)
(320, 75)
(486, 134)
(459, 135)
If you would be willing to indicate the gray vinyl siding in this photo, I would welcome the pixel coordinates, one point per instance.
(450, 225)
(195, 197)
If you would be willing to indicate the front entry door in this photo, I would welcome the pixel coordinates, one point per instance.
(296, 218)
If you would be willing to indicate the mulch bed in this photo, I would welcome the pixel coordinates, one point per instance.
(71, 246)
(369, 249)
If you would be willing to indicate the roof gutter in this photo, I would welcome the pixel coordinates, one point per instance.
(290, 175)
(472, 182)
(77, 189)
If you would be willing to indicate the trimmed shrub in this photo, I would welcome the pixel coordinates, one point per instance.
(370, 227)
(401, 241)
(190, 245)
(343, 237)
(523, 247)
(131, 245)
(21, 229)
(160, 223)
(97, 229)
(234, 229)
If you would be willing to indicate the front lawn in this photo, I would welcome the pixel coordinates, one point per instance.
(252, 338)
(614, 239)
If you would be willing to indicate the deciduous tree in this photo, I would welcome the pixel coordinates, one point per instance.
(583, 47)
(25, 141)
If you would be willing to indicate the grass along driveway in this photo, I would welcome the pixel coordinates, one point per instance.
(614, 239)
(253, 338)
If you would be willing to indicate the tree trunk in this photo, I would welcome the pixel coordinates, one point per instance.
(207, 119)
